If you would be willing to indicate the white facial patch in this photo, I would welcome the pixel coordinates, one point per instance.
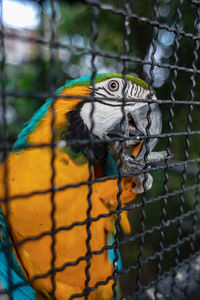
(132, 90)
(103, 116)
(109, 110)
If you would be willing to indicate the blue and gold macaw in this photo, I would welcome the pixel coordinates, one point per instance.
(30, 171)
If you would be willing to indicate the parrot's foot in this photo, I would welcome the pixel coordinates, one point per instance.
(143, 181)
(156, 157)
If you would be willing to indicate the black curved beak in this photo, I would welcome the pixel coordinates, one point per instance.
(145, 121)
(142, 121)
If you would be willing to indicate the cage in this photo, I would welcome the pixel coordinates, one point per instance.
(45, 43)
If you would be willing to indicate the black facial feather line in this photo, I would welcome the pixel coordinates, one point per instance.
(77, 130)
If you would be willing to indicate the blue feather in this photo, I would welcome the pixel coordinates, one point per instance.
(110, 168)
(111, 252)
(112, 256)
(30, 126)
(24, 291)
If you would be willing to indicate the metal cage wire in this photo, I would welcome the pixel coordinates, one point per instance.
(182, 276)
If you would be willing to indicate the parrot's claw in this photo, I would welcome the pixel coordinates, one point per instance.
(142, 182)
(156, 157)
(130, 163)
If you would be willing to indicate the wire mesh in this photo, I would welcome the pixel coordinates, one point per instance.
(155, 40)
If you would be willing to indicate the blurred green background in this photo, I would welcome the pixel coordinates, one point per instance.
(27, 70)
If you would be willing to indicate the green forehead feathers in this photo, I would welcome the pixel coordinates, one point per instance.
(86, 81)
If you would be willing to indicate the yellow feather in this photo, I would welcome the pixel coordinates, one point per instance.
(30, 172)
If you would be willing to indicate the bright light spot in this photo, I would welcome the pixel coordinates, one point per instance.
(164, 10)
(20, 15)
(197, 25)
(10, 114)
(166, 38)
(150, 292)
(179, 276)
(159, 74)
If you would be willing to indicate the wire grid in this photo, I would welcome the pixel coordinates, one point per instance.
(135, 277)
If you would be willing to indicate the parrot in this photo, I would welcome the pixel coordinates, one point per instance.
(88, 121)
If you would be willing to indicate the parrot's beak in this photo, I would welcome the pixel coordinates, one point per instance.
(143, 121)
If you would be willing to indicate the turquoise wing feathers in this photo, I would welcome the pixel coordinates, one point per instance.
(15, 276)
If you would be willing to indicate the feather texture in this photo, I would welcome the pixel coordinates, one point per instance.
(30, 174)
(24, 291)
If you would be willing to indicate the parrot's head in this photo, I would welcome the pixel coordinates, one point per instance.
(112, 115)
(118, 112)
(130, 119)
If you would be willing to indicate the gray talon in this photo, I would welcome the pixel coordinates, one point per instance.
(157, 156)
(142, 182)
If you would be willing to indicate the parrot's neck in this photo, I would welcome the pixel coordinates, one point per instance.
(39, 129)
(67, 123)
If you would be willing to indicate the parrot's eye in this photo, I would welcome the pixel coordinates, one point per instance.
(113, 85)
